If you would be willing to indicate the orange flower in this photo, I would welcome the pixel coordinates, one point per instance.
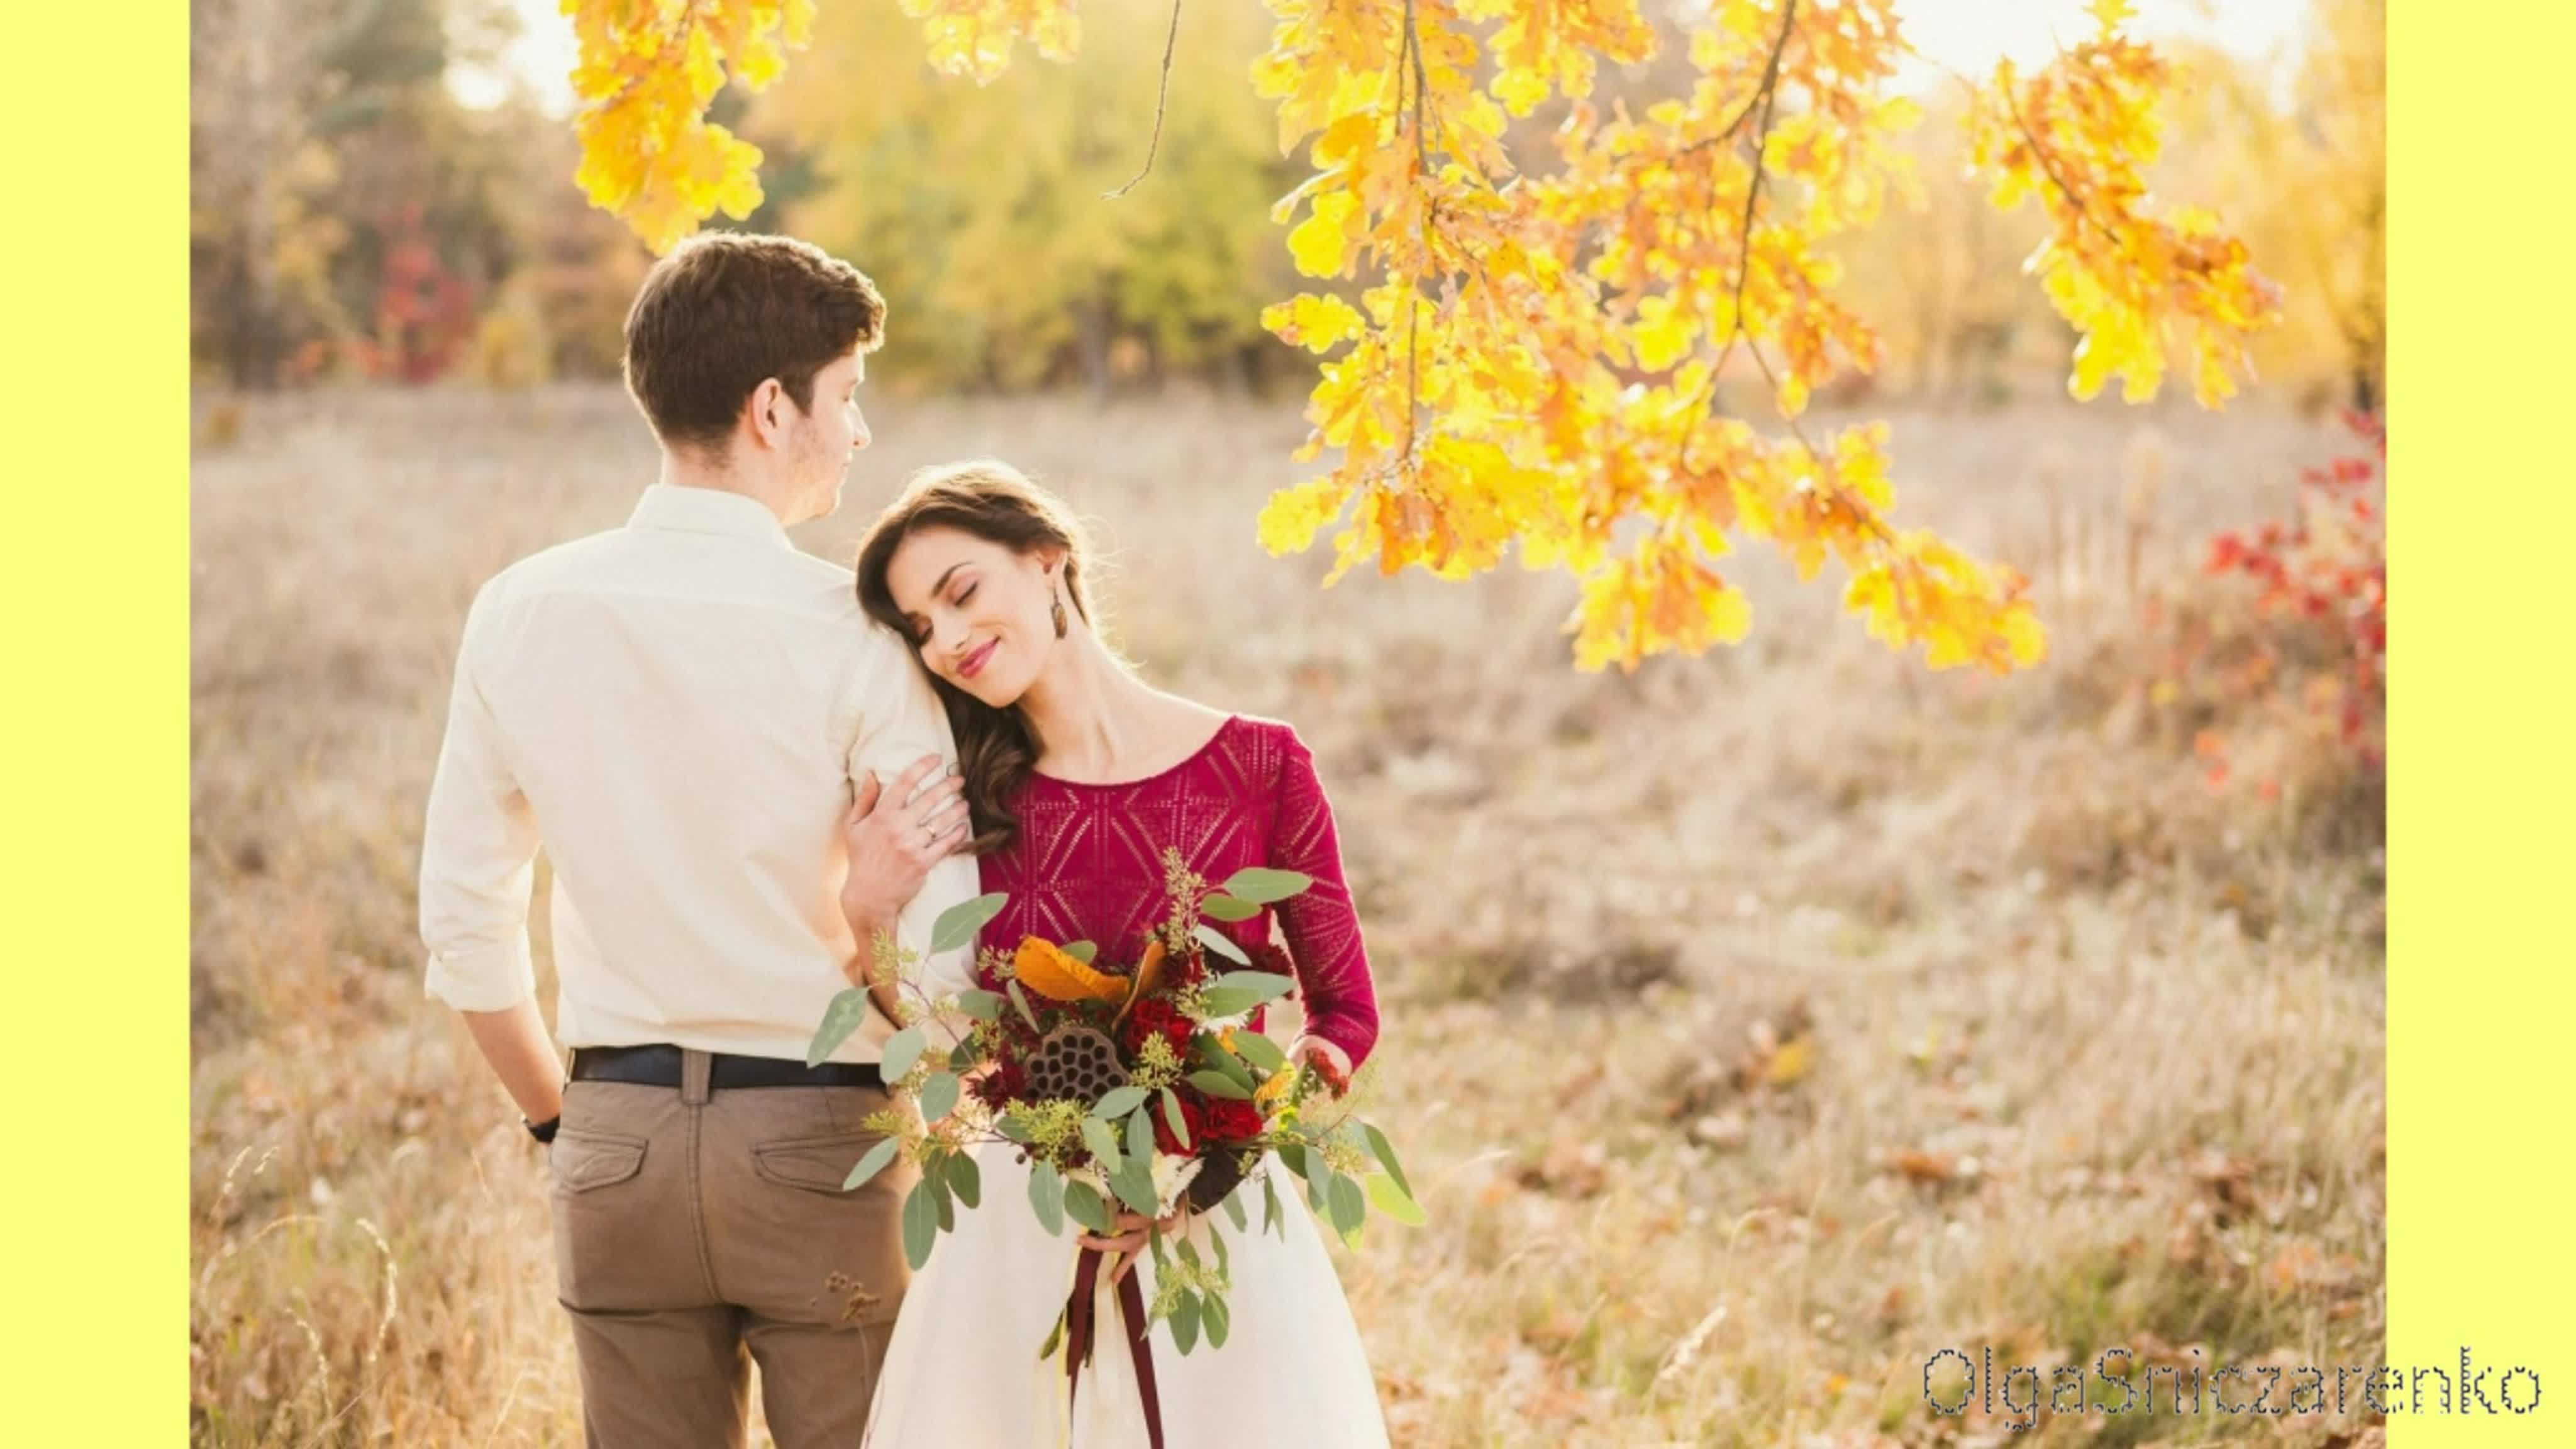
(1047, 970)
(1148, 971)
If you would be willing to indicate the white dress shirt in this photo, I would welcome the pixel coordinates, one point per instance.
(676, 710)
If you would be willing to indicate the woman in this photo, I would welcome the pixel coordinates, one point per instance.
(1078, 776)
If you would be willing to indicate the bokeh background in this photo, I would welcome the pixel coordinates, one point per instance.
(1758, 1024)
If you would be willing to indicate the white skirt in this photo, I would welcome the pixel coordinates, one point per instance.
(963, 1370)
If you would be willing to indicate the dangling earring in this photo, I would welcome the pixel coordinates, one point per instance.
(1057, 613)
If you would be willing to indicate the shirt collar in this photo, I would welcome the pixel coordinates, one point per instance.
(683, 509)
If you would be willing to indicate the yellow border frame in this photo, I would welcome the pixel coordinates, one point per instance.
(2483, 778)
(2483, 525)
(96, 603)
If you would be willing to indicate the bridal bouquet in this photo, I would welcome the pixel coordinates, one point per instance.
(1137, 1084)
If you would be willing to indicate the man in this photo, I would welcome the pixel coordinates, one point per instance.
(720, 755)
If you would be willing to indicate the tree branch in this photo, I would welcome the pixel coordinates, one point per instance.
(1744, 242)
(1762, 93)
(675, 38)
(2048, 168)
(1421, 87)
(1766, 95)
(1162, 101)
(1412, 303)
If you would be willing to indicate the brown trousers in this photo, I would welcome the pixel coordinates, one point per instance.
(698, 1233)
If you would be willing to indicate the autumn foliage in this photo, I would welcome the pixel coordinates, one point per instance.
(1527, 351)
(423, 313)
(2326, 566)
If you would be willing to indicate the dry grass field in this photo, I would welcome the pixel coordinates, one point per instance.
(1757, 1026)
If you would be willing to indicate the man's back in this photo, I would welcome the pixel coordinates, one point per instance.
(681, 704)
(676, 711)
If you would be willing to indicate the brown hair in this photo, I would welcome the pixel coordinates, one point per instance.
(996, 748)
(726, 310)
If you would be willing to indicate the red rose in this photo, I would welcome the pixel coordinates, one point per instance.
(1182, 972)
(1153, 1017)
(1002, 1084)
(1193, 1116)
(1230, 1120)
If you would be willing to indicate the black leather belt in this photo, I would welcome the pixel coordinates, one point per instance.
(659, 1066)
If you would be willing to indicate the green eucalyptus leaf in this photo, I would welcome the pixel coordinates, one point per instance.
(1221, 907)
(1118, 1102)
(938, 1095)
(1102, 1141)
(1046, 1196)
(1389, 1197)
(958, 924)
(1348, 1205)
(1082, 951)
(902, 1050)
(1265, 985)
(940, 1194)
(847, 1011)
(1134, 1184)
(1221, 1002)
(1384, 1152)
(1215, 940)
(920, 1223)
(1083, 1205)
(1233, 1066)
(980, 1004)
(1218, 1084)
(870, 1165)
(966, 1179)
(1262, 886)
(1172, 1114)
(1215, 1320)
(1259, 1052)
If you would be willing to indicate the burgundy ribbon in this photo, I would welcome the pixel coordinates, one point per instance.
(1078, 1328)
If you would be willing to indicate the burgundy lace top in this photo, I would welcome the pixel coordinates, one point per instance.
(1087, 866)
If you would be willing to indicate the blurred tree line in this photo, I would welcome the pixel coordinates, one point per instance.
(352, 218)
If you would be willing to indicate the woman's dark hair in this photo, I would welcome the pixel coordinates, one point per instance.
(996, 748)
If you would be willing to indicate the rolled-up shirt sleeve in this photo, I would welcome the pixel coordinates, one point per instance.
(477, 858)
(901, 720)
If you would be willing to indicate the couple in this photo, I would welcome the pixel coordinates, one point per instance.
(743, 762)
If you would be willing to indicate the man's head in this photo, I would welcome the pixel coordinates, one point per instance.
(745, 353)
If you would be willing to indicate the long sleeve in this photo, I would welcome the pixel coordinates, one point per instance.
(477, 858)
(901, 720)
(1322, 928)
